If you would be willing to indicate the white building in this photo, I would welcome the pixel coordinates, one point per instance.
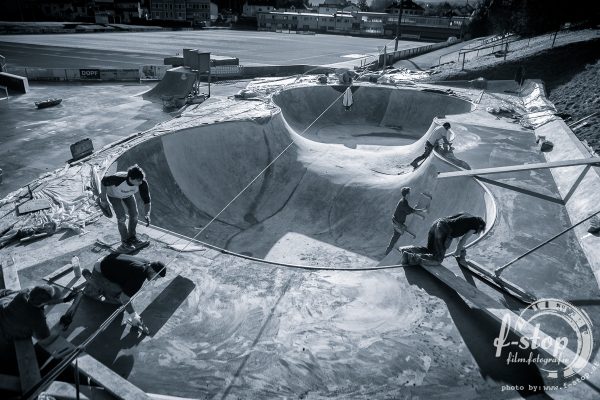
(252, 7)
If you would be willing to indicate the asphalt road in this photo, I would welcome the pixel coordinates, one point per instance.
(131, 49)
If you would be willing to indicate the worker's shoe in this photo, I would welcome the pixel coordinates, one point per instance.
(414, 165)
(125, 248)
(136, 243)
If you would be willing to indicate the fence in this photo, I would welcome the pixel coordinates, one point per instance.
(501, 45)
(391, 57)
(77, 74)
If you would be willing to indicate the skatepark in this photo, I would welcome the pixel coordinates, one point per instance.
(273, 214)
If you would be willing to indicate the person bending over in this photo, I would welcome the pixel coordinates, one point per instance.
(439, 133)
(22, 313)
(120, 189)
(443, 230)
(118, 277)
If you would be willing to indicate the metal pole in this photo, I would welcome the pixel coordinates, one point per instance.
(398, 25)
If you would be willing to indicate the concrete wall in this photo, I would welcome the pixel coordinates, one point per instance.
(579, 186)
(393, 56)
(74, 74)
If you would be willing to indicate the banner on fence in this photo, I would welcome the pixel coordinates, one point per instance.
(89, 73)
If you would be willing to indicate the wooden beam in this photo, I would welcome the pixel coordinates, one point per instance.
(29, 371)
(10, 383)
(515, 168)
(497, 312)
(67, 391)
(115, 384)
(521, 190)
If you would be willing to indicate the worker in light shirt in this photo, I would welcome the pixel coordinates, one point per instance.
(120, 189)
(439, 133)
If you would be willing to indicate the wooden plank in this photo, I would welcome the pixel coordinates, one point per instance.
(514, 168)
(10, 275)
(29, 371)
(499, 283)
(115, 384)
(58, 273)
(10, 383)
(497, 312)
(521, 190)
(34, 205)
(67, 391)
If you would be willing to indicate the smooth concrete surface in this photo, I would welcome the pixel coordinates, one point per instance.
(225, 327)
(321, 203)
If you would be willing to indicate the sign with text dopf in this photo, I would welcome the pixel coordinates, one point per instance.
(89, 73)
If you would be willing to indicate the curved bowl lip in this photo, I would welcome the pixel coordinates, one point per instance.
(472, 104)
(488, 224)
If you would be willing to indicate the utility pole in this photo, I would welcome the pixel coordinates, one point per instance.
(398, 25)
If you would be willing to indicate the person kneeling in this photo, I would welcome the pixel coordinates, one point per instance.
(118, 277)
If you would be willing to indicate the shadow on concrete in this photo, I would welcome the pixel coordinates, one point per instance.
(108, 345)
(168, 301)
(112, 346)
(478, 332)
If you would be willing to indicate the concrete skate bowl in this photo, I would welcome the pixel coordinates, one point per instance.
(379, 115)
(313, 206)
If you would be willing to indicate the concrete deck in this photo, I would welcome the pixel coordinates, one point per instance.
(226, 327)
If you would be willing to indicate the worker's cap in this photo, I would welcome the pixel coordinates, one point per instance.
(42, 294)
(446, 125)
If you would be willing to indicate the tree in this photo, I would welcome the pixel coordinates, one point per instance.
(362, 5)
(381, 5)
(528, 17)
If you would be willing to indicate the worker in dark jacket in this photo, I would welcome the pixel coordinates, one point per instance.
(22, 313)
(120, 189)
(118, 277)
(443, 230)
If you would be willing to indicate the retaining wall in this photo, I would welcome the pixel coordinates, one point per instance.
(391, 57)
(579, 186)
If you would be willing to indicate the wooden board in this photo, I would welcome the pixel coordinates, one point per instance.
(497, 312)
(64, 391)
(502, 284)
(34, 205)
(114, 383)
(29, 371)
(514, 168)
